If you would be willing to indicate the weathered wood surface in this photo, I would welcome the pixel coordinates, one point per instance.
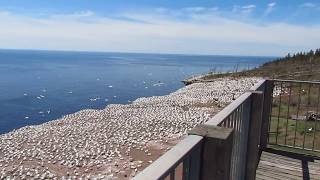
(278, 167)
(169, 161)
(254, 135)
(267, 101)
(216, 153)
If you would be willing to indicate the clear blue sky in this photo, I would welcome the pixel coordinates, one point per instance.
(244, 27)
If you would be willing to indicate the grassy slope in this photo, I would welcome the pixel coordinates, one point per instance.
(284, 130)
(301, 66)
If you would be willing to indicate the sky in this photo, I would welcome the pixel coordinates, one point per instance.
(220, 27)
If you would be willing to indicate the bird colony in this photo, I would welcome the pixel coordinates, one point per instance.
(116, 142)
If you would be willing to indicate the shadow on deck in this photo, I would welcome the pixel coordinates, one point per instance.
(278, 164)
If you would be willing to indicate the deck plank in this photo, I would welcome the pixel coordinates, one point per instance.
(273, 166)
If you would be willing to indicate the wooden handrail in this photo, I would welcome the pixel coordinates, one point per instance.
(237, 115)
(170, 160)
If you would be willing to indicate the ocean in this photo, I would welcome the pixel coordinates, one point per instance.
(39, 86)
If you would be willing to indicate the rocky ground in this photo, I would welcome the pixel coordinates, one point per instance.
(116, 142)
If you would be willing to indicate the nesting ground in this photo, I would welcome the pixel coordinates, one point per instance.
(116, 142)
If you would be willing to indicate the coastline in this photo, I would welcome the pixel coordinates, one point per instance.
(118, 141)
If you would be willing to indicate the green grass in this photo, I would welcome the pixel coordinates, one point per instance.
(291, 132)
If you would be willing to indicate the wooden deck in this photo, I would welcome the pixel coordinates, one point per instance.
(280, 165)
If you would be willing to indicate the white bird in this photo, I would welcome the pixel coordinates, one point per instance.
(158, 84)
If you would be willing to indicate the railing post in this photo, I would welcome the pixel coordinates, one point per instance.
(252, 154)
(266, 114)
(216, 151)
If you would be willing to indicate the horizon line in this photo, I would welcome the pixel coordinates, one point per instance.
(128, 52)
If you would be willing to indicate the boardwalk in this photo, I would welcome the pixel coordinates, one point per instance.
(282, 165)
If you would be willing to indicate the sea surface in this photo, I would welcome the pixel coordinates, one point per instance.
(39, 86)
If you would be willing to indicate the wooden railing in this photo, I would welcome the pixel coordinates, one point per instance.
(225, 147)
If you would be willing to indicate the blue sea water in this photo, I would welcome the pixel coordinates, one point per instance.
(39, 86)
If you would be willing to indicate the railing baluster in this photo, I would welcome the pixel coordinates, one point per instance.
(230, 121)
(172, 175)
(234, 118)
(270, 118)
(288, 114)
(316, 120)
(305, 122)
(195, 163)
(227, 121)
(238, 136)
(236, 142)
(296, 127)
(186, 168)
(279, 111)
